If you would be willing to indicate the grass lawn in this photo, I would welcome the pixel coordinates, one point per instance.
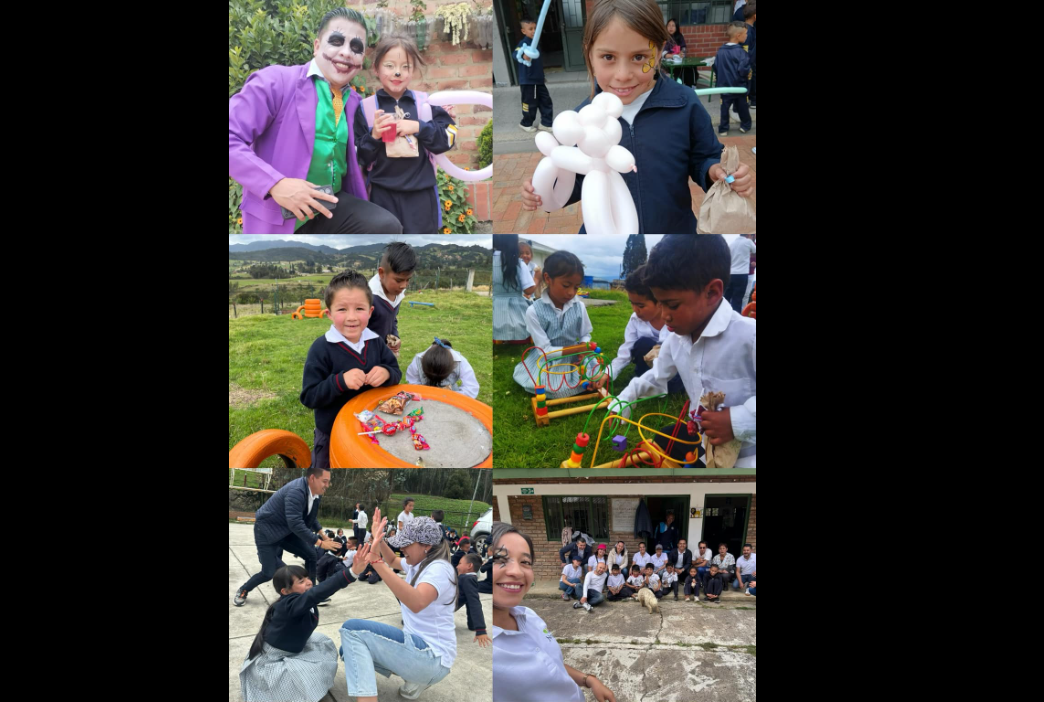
(519, 443)
(248, 283)
(266, 356)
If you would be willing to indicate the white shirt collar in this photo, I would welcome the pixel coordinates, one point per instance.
(377, 289)
(336, 337)
(313, 70)
(717, 324)
(547, 301)
(519, 614)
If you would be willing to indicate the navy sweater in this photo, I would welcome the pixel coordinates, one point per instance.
(385, 318)
(533, 74)
(752, 43)
(733, 66)
(469, 595)
(296, 616)
(323, 388)
(672, 139)
(404, 174)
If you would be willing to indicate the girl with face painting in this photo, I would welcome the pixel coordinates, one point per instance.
(400, 174)
(290, 132)
(523, 645)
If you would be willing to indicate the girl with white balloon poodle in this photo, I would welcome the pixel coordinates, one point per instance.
(662, 124)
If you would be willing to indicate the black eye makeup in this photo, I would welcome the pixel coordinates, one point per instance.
(356, 45)
(335, 39)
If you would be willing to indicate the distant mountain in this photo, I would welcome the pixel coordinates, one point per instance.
(278, 244)
(365, 258)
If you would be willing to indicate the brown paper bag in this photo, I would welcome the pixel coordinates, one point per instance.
(726, 455)
(403, 146)
(723, 211)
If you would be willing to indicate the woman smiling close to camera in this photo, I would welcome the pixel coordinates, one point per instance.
(527, 660)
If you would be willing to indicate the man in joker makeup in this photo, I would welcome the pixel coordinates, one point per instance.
(290, 130)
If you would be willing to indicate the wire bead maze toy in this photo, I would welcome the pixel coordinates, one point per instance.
(590, 357)
(647, 453)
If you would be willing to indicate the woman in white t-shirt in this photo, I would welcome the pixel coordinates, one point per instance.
(599, 557)
(527, 661)
(423, 651)
(406, 514)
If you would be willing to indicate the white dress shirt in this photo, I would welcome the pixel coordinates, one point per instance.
(336, 337)
(741, 249)
(636, 329)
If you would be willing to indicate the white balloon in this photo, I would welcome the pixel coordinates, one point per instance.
(573, 159)
(553, 195)
(613, 129)
(625, 217)
(620, 159)
(592, 116)
(567, 128)
(595, 142)
(610, 103)
(546, 143)
(598, 211)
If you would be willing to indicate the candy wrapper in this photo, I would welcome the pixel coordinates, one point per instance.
(397, 404)
(418, 441)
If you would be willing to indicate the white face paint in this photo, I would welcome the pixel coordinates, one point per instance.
(339, 51)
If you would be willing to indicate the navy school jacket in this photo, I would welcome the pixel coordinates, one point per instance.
(733, 65)
(672, 138)
(296, 616)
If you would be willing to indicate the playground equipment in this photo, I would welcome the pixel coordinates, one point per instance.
(312, 308)
(751, 309)
(457, 430)
(422, 304)
(588, 352)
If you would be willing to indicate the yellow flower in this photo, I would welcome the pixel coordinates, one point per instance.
(449, 204)
(461, 218)
(470, 212)
(451, 188)
(446, 231)
(239, 221)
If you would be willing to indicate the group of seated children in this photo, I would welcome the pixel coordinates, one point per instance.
(657, 572)
(360, 350)
(680, 314)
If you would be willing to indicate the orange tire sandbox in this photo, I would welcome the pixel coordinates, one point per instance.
(349, 450)
(251, 451)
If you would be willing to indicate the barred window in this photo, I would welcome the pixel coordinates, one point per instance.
(692, 13)
(587, 514)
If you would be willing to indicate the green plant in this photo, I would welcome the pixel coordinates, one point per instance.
(235, 195)
(457, 215)
(486, 145)
(419, 8)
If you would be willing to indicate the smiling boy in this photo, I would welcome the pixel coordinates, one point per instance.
(710, 346)
(346, 360)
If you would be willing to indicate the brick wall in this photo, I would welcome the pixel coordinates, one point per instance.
(496, 510)
(752, 525)
(449, 67)
(704, 39)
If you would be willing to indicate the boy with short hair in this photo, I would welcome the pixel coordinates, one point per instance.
(531, 81)
(711, 347)
(636, 582)
(468, 594)
(713, 586)
(644, 333)
(617, 586)
(733, 67)
(669, 581)
(397, 266)
(347, 360)
(572, 574)
(652, 581)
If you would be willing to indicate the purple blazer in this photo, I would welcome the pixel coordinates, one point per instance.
(271, 133)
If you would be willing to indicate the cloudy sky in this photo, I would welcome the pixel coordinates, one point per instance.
(602, 255)
(346, 240)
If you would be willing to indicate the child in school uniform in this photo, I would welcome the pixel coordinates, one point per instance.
(617, 586)
(714, 585)
(468, 586)
(405, 185)
(636, 581)
(534, 89)
(669, 581)
(710, 347)
(512, 282)
(441, 366)
(397, 266)
(527, 660)
(556, 320)
(423, 651)
(664, 125)
(692, 584)
(645, 329)
(652, 581)
(525, 253)
(733, 67)
(347, 360)
(289, 660)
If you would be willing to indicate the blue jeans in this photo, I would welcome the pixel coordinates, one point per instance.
(572, 589)
(594, 598)
(747, 579)
(369, 648)
(754, 591)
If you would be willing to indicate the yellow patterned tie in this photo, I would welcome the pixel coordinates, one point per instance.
(338, 105)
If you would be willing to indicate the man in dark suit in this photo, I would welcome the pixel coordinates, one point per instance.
(289, 522)
(575, 550)
(681, 559)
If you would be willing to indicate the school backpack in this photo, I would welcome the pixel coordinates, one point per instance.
(369, 106)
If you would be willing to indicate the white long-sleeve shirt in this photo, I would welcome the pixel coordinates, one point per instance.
(723, 359)
(461, 380)
(636, 329)
(595, 582)
(741, 249)
(360, 521)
